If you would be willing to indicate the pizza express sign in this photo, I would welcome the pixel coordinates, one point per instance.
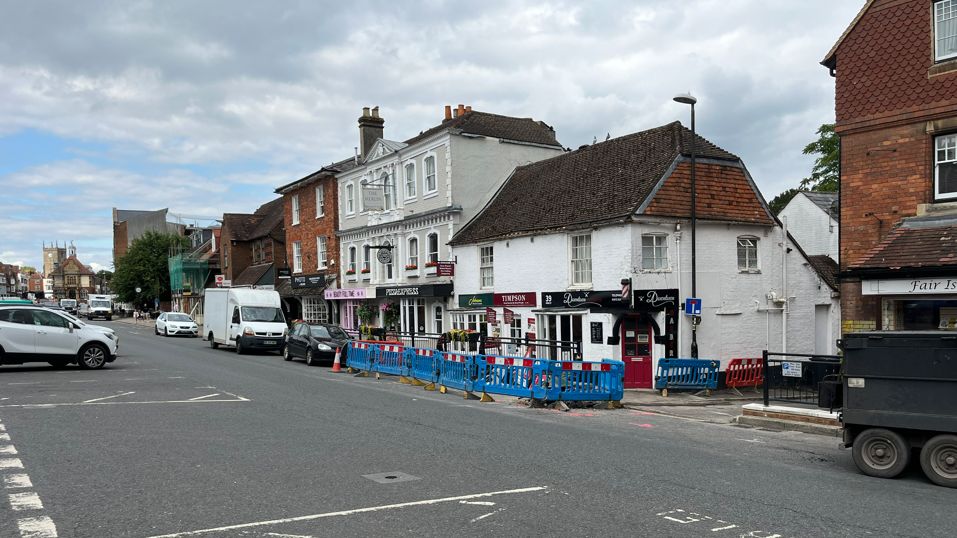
(583, 299)
(427, 290)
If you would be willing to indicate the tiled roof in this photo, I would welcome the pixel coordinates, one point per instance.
(827, 201)
(334, 168)
(251, 275)
(603, 182)
(826, 268)
(493, 125)
(917, 242)
(246, 227)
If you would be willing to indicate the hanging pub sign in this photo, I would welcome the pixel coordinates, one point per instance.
(490, 316)
(308, 281)
(584, 299)
(475, 300)
(444, 268)
(524, 298)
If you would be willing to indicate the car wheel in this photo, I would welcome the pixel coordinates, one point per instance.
(286, 356)
(239, 347)
(165, 332)
(881, 453)
(212, 343)
(310, 360)
(93, 356)
(59, 364)
(156, 330)
(938, 459)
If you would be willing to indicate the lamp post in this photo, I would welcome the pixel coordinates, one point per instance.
(688, 99)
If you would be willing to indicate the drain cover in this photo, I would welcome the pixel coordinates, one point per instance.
(390, 478)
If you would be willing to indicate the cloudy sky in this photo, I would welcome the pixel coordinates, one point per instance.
(206, 107)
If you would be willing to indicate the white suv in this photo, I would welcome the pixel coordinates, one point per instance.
(36, 334)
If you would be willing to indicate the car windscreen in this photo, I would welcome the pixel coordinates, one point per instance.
(99, 304)
(262, 313)
(178, 317)
(318, 331)
(68, 302)
(337, 333)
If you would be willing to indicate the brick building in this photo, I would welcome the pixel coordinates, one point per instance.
(896, 109)
(311, 217)
(252, 246)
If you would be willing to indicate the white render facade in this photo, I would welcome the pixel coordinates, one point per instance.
(743, 307)
(813, 228)
(430, 188)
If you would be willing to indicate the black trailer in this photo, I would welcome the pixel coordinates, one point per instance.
(900, 395)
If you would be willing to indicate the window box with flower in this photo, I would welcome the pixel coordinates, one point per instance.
(350, 271)
(431, 264)
(411, 267)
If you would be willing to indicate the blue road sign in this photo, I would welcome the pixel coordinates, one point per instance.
(692, 307)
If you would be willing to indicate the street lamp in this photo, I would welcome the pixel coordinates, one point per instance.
(688, 99)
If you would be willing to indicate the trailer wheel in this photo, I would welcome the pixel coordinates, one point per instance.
(881, 453)
(938, 458)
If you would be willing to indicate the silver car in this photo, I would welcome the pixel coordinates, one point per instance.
(174, 323)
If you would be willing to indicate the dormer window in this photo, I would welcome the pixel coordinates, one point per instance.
(945, 30)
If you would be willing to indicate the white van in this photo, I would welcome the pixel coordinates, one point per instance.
(243, 318)
(101, 306)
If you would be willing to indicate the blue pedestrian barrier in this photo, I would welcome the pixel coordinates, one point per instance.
(361, 355)
(687, 374)
(390, 360)
(455, 370)
(512, 376)
(423, 363)
(581, 381)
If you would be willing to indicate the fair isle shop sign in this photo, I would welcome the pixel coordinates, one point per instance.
(909, 286)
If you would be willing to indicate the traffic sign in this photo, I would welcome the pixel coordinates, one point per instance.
(692, 307)
(219, 280)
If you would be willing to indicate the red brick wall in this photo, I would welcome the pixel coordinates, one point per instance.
(240, 255)
(884, 67)
(310, 227)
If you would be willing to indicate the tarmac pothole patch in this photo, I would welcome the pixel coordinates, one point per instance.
(390, 477)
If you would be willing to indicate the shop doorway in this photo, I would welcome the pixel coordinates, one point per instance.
(636, 352)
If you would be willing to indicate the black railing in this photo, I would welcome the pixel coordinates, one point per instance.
(795, 377)
(480, 343)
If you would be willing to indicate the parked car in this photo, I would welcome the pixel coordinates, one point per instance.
(174, 323)
(69, 305)
(37, 334)
(315, 342)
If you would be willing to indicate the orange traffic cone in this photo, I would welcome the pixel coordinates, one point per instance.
(337, 364)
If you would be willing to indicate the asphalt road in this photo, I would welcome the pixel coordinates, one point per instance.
(176, 439)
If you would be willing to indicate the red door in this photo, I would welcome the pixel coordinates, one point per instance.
(636, 353)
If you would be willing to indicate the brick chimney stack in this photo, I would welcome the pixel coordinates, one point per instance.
(370, 129)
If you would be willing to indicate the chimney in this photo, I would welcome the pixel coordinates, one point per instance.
(461, 109)
(468, 108)
(370, 129)
(448, 112)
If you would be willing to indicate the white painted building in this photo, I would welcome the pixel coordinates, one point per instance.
(419, 191)
(562, 234)
(812, 219)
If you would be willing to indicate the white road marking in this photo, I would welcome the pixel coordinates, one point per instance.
(723, 528)
(108, 397)
(37, 527)
(25, 383)
(204, 397)
(11, 481)
(2, 427)
(352, 512)
(83, 381)
(8, 450)
(11, 463)
(25, 501)
(483, 516)
(236, 396)
(478, 503)
(287, 535)
(177, 377)
(752, 441)
(4, 436)
(32, 406)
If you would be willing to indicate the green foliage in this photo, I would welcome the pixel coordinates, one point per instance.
(390, 316)
(145, 266)
(826, 174)
(366, 312)
(781, 200)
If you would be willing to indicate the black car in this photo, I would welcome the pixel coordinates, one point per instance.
(315, 342)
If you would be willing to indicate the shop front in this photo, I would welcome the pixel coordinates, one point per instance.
(924, 303)
(349, 300)
(422, 309)
(303, 298)
(507, 318)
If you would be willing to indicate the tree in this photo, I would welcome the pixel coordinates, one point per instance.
(27, 269)
(146, 266)
(781, 200)
(826, 174)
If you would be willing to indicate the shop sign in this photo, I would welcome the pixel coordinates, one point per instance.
(597, 330)
(583, 299)
(347, 293)
(426, 290)
(283, 272)
(475, 300)
(508, 316)
(308, 281)
(909, 286)
(490, 316)
(525, 298)
(655, 300)
(445, 269)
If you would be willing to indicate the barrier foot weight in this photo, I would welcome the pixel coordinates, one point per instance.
(736, 391)
(560, 406)
(614, 404)
(351, 370)
(416, 383)
(443, 389)
(664, 392)
(361, 373)
(469, 395)
(430, 386)
(535, 403)
(486, 397)
(377, 376)
(405, 380)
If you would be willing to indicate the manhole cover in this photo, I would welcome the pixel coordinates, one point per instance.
(390, 478)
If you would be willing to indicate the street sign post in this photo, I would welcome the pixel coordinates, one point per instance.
(692, 306)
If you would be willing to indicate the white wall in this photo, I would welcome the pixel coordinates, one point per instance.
(812, 227)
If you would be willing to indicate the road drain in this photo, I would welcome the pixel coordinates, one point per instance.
(390, 478)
